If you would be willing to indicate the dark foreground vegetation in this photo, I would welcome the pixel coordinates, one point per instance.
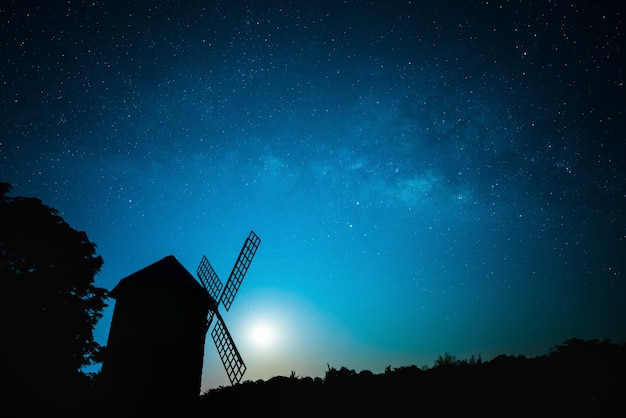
(581, 378)
(577, 378)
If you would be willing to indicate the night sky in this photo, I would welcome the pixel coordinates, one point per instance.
(425, 176)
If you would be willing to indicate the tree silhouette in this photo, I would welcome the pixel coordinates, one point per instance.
(578, 378)
(51, 305)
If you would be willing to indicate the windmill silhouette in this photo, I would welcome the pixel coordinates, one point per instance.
(162, 314)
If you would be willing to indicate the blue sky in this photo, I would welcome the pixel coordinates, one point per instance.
(424, 178)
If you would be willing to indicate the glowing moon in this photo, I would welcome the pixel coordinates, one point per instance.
(263, 334)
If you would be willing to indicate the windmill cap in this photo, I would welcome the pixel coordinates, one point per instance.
(167, 272)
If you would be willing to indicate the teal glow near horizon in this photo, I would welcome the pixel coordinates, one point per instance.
(424, 178)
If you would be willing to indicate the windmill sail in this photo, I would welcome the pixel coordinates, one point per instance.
(231, 359)
(209, 319)
(209, 278)
(240, 269)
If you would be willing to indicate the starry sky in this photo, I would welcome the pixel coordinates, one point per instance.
(425, 177)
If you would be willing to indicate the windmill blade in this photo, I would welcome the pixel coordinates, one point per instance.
(240, 269)
(209, 278)
(209, 319)
(231, 359)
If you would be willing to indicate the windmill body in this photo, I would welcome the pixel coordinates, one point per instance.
(156, 341)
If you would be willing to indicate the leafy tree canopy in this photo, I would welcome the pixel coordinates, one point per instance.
(51, 304)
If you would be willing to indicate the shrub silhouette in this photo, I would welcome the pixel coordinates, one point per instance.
(578, 377)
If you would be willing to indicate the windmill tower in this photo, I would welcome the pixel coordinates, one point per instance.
(156, 341)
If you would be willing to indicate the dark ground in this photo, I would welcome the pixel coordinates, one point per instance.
(578, 378)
